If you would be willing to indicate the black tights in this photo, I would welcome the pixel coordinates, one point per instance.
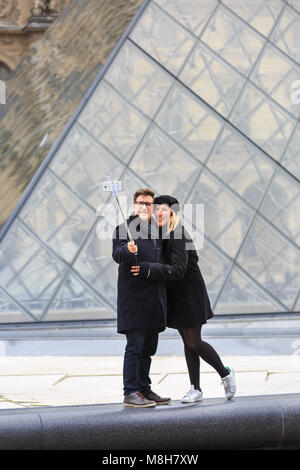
(194, 347)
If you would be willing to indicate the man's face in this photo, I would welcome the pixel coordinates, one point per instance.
(143, 207)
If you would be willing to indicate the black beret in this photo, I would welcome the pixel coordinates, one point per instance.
(169, 200)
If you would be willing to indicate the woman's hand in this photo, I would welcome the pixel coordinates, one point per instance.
(135, 270)
(132, 247)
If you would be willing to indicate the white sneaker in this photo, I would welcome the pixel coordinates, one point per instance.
(229, 384)
(192, 395)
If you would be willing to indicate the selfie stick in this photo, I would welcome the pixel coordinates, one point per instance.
(115, 187)
(115, 191)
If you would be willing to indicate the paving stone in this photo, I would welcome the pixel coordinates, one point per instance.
(74, 380)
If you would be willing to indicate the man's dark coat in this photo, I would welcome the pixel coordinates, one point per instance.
(141, 302)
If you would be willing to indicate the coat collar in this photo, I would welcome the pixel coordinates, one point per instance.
(146, 230)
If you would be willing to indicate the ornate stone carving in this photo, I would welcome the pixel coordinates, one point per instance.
(56, 5)
(6, 8)
(49, 7)
(40, 7)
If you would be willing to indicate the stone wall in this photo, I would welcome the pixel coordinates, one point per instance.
(22, 24)
(48, 85)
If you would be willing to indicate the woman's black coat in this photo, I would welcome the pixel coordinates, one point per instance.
(141, 303)
(187, 298)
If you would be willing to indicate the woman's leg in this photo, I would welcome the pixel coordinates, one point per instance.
(194, 342)
(193, 363)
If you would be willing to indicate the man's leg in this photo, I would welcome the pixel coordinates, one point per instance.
(149, 349)
(132, 361)
(131, 371)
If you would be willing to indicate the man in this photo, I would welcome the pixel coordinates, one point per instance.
(141, 306)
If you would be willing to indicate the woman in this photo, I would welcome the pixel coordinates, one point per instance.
(188, 302)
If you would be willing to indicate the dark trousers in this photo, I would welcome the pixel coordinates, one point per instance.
(141, 345)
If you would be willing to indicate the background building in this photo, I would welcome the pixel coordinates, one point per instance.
(22, 22)
(199, 99)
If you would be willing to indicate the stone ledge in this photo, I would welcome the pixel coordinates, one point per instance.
(230, 326)
(242, 423)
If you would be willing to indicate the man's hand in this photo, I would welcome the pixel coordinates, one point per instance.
(135, 270)
(132, 247)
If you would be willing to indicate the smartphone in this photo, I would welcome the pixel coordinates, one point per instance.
(112, 186)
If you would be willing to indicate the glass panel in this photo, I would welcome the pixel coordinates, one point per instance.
(241, 165)
(95, 263)
(115, 124)
(57, 217)
(189, 13)
(226, 218)
(231, 39)
(213, 80)
(291, 157)
(23, 260)
(139, 79)
(163, 38)
(261, 15)
(275, 75)
(165, 166)
(131, 182)
(286, 33)
(297, 306)
(241, 295)
(214, 267)
(263, 121)
(295, 4)
(75, 301)
(282, 203)
(84, 164)
(272, 261)
(10, 312)
(189, 121)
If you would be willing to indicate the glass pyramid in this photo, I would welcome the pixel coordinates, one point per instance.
(200, 99)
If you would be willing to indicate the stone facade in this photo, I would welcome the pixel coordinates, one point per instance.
(22, 22)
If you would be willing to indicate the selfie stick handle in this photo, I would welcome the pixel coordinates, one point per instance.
(116, 193)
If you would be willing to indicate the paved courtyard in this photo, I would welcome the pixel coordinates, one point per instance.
(29, 381)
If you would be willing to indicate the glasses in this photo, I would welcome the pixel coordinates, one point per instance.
(141, 203)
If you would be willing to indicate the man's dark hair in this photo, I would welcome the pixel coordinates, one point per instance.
(143, 192)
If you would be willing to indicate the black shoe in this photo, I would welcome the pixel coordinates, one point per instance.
(158, 400)
(137, 400)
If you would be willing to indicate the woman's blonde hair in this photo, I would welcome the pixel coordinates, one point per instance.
(174, 221)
